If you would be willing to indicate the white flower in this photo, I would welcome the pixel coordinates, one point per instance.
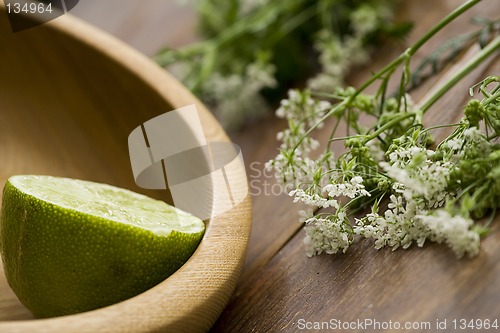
(352, 189)
(302, 108)
(327, 235)
(473, 134)
(397, 227)
(261, 75)
(334, 60)
(376, 150)
(325, 82)
(247, 6)
(304, 215)
(292, 172)
(312, 199)
(396, 203)
(476, 140)
(364, 19)
(454, 144)
(418, 175)
(237, 97)
(452, 229)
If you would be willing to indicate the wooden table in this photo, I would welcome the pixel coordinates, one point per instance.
(281, 289)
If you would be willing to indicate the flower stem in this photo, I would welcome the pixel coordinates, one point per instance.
(404, 57)
(495, 93)
(389, 124)
(464, 70)
(418, 44)
(444, 22)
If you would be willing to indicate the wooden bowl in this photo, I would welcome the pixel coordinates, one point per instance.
(69, 97)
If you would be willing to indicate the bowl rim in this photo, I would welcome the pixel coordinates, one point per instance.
(214, 268)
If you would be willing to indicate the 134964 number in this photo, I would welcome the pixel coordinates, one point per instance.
(475, 324)
(28, 8)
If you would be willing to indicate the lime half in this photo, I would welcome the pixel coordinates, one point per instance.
(70, 246)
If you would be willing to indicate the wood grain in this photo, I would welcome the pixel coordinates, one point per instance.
(280, 289)
(275, 217)
(280, 284)
(146, 26)
(69, 97)
(422, 285)
(413, 285)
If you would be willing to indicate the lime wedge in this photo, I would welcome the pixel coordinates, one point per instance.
(70, 245)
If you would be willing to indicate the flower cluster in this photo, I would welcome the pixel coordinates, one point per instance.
(235, 97)
(253, 50)
(418, 192)
(418, 176)
(352, 189)
(396, 228)
(454, 230)
(337, 55)
(313, 199)
(329, 234)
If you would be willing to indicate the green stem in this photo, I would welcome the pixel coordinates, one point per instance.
(389, 124)
(405, 56)
(464, 70)
(491, 98)
(332, 134)
(235, 31)
(293, 24)
(419, 43)
(465, 191)
(495, 93)
(165, 58)
(342, 138)
(444, 22)
(379, 131)
(490, 220)
(374, 195)
(447, 51)
(441, 126)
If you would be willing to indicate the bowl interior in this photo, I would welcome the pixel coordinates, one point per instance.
(66, 110)
(69, 98)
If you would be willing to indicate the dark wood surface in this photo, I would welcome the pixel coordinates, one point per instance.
(280, 285)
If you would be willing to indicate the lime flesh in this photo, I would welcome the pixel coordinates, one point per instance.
(70, 246)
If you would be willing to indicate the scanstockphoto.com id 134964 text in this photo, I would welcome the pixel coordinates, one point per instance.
(372, 324)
